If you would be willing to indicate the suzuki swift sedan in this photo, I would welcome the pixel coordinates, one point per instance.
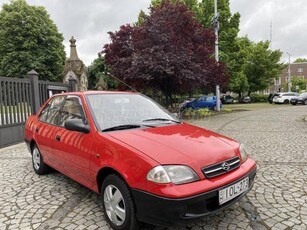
(147, 165)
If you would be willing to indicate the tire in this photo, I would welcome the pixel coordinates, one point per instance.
(119, 213)
(305, 102)
(286, 101)
(293, 103)
(39, 166)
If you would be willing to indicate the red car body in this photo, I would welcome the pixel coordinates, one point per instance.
(90, 157)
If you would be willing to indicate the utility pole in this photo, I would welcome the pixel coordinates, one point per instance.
(289, 74)
(216, 29)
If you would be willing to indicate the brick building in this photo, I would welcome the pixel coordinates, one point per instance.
(297, 70)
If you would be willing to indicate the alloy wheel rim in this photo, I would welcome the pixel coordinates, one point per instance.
(36, 159)
(115, 205)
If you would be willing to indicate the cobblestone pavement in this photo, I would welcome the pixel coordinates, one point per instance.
(276, 139)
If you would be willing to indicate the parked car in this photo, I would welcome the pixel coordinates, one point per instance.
(202, 102)
(301, 99)
(182, 105)
(227, 99)
(147, 165)
(284, 98)
(271, 96)
(245, 99)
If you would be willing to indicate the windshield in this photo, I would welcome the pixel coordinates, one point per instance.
(303, 94)
(127, 111)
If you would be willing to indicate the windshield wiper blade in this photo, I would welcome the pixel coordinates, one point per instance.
(121, 127)
(161, 119)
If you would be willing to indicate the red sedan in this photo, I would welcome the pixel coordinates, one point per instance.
(147, 165)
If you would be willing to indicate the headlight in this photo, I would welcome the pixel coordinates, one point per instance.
(243, 153)
(177, 174)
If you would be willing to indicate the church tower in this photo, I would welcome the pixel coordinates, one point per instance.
(75, 68)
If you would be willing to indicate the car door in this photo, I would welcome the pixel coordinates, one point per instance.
(46, 125)
(201, 102)
(71, 149)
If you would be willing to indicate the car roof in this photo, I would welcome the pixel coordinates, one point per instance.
(92, 92)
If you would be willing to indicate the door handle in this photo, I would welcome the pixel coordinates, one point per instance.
(36, 129)
(58, 137)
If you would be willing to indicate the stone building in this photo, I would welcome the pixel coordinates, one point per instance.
(75, 68)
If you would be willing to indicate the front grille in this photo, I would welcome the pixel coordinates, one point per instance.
(221, 167)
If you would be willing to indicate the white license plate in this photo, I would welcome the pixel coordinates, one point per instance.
(233, 191)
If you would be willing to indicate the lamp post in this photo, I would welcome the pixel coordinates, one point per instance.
(289, 74)
(216, 29)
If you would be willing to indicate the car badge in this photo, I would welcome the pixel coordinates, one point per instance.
(225, 166)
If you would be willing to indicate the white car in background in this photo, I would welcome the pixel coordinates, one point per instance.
(284, 98)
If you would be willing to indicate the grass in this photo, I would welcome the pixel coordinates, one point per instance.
(250, 106)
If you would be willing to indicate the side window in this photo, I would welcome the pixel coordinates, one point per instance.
(43, 115)
(72, 109)
(50, 113)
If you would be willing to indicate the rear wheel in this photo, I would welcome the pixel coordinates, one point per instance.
(305, 102)
(117, 204)
(38, 163)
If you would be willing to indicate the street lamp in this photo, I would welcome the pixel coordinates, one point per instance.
(216, 29)
(289, 74)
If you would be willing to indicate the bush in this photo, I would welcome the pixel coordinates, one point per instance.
(195, 113)
(258, 98)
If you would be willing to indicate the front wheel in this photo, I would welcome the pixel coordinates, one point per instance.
(305, 102)
(39, 166)
(286, 101)
(117, 204)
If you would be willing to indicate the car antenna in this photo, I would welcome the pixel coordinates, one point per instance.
(111, 75)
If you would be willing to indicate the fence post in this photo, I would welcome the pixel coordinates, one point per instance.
(33, 76)
(72, 84)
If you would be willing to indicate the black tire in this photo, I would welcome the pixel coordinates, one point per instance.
(39, 166)
(286, 101)
(293, 103)
(120, 213)
(305, 102)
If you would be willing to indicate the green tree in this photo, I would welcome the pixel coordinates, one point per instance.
(299, 60)
(262, 66)
(238, 82)
(300, 82)
(98, 70)
(29, 40)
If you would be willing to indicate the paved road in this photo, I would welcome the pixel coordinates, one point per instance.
(276, 139)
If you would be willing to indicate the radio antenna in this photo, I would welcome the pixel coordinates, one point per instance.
(111, 75)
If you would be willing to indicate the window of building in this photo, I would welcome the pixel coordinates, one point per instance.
(300, 70)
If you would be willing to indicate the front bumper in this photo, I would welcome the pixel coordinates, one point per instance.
(164, 211)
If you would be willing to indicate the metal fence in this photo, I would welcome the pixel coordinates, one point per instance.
(21, 97)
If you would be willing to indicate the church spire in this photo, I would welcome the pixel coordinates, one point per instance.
(73, 49)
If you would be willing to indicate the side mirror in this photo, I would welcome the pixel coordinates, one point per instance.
(77, 125)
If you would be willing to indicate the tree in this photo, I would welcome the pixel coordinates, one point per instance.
(169, 51)
(262, 66)
(299, 60)
(228, 34)
(29, 40)
(299, 82)
(98, 71)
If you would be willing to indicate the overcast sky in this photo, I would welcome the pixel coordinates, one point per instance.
(283, 21)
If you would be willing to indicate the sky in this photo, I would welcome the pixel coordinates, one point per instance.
(283, 22)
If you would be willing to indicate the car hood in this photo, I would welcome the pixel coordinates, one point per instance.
(180, 144)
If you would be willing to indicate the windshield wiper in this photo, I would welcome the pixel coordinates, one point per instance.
(121, 127)
(161, 119)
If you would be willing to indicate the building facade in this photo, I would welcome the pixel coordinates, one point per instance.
(282, 84)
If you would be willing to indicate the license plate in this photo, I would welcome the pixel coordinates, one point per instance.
(233, 191)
